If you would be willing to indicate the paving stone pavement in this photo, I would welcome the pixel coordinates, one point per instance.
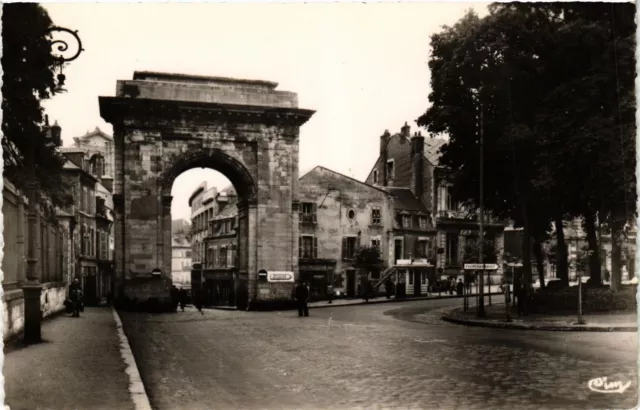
(77, 366)
(358, 357)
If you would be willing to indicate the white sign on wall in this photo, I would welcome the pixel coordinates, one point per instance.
(478, 266)
(280, 276)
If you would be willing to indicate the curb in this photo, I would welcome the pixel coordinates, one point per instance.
(136, 387)
(518, 326)
(373, 302)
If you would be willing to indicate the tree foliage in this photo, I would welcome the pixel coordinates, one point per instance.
(28, 78)
(554, 82)
(368, 258)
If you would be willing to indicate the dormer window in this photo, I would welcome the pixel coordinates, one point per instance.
(390, 169)
(97, 165)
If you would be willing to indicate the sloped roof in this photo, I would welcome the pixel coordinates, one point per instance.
(343, 176)
(70, 165)
(406, 200)
(72, 149)
(432, 149)
(230, 210)
(180, 240)
(96, 132)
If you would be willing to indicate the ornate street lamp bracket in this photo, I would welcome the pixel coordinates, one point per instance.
(62, 46)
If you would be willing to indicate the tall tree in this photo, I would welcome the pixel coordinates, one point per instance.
(552, 81)
(28, 78)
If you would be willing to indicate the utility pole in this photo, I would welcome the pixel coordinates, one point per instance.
(481, 312)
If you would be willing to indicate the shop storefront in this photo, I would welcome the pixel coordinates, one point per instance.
(415, 276)
(219, 287)
(318, 274)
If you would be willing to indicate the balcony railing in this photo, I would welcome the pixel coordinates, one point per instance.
(308, 218)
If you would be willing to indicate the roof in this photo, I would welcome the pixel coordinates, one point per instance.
(70, 165)
(406, 200)
(230, 210)
(180, 240)
(72, 150)
(96, 132)
(343, 176)
(432, 148)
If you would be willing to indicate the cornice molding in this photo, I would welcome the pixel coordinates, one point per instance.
(116, 109)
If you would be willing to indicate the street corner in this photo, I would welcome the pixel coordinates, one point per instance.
(562, 324)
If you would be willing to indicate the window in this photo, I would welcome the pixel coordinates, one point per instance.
(348, 247)
(308, 212)
(375, 243)
(406, 221)
(390, 169)
(451, 204)
(92, 242)
(375, 216)
(422, 249)
(410, 278)
(422, 221)
(187, 254)
(222, 257)
(375, 176)
(452, 249)
(83, 200)
(423, 278)
(308, 247)
(351, 214)
(103, 246)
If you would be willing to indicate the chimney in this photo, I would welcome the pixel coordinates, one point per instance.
(382, 168)
(108, 183)
(406, 131)
(417, 164)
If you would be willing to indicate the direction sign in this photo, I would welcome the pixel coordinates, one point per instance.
(478, 266)
(280, 276)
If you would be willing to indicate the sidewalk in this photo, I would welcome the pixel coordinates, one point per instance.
(496, 318)
(383, 299)
(79, 365)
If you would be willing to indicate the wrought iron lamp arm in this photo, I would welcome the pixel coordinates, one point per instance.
(62, 46)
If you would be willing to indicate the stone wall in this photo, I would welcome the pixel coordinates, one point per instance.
(51, 302)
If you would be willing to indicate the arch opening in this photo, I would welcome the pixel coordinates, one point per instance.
(212, 190)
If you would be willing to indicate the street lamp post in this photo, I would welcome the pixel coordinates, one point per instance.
(32, 288)
(480, 129)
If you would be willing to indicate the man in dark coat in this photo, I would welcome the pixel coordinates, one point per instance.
(75, 295)
(302, 297)
(175, 297)
(388, 287)
(459, 287)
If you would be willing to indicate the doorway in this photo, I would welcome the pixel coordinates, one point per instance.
(417, 282)
(351, 283)
(397, 250)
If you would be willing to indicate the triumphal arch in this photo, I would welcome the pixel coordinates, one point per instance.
(165, 124)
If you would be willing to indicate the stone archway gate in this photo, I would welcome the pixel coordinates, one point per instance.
(165, 124)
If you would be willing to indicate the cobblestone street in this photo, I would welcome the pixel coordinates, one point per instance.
(376, 356)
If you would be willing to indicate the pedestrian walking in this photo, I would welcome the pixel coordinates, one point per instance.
(76, 297)
(388, 287)
(198, 300)
(175, 297)
(183, 298)
(459, 287)
(302, 297)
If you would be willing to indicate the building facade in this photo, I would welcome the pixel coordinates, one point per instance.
(221, 264)
(181, 261)
(90, 266)
(202, 206)
(338, 214)
(412, 163)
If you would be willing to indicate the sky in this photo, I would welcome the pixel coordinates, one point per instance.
(361, 67)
